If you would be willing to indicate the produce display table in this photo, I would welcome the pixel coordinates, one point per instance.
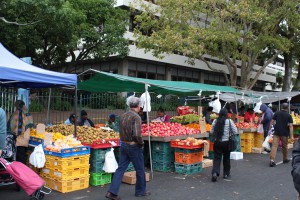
(252, 130)
(180, 137)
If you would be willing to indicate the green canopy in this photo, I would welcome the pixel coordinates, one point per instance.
(108, 82)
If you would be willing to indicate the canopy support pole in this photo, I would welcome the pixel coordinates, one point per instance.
(278, 104)
(75, 103)
(48, 109)
(148, 128)
(237, 112)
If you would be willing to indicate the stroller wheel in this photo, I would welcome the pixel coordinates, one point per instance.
(42, 195)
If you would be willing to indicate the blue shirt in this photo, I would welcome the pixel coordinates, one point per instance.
(2, 128)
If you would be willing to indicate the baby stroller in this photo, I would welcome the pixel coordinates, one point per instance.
(8, 153)
(17, 172)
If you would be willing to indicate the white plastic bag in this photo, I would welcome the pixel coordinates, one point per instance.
(37, 157)
(266, 144)
(260, 129)
(110, 164)
(143, 102)
(216, 105)
(257, 107)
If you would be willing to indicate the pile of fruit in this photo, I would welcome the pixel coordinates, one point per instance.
(85, 134)
(246, 125)
(67, 142)
(33, 133)
(64, 129)
(56, 135)
(194, 126)
(190, 141)
(167, 129)
(89, 135)
(185, 119)
(296, 118)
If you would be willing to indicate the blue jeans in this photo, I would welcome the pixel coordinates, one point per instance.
(134, 154)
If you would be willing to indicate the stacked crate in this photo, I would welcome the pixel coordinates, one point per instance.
(97, 175)
(247, 142)
(162, 156)
(188, 161)
(67, 172)
(258, 140)
(211, 147)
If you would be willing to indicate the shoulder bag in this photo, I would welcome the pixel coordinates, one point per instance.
(231, 142)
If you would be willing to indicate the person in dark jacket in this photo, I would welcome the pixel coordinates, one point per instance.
(207, 115)
(84, 120)
(296, 168)
(267, 118)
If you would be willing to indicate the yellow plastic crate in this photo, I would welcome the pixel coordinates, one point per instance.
(247, 142)
(247, 136)
(65, 174)
(246, 149)
(258, 136)
(68, 185)
(66, 163)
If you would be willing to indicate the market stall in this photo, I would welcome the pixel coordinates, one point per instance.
(118, 83)
(66, 168)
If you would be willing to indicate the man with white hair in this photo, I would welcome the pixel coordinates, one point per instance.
(132, 147)
(282, 130)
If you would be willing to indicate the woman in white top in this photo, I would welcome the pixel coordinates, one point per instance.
(220, 130)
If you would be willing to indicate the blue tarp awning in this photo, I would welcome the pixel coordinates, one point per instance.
(16, 73)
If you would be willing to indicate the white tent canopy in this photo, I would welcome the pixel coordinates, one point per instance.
(254, 97)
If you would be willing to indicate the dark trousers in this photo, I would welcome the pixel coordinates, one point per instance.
(221, 149)
(134, 154)
(21, 154)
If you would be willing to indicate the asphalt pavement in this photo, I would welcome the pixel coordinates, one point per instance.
(251, 179)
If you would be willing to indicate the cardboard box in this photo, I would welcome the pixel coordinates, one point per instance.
(236, 155)
(290, 146)
(130, 177)
(207, 163)
(257, 150)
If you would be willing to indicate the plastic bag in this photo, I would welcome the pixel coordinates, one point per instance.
(110, 164)
(37, 157)
(260, 129)
(257, 107)
(266, 144)
(216, 105)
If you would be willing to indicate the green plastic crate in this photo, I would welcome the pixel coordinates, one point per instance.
(98, 154)
(100, 179)
(210, 155)
(163, 157)
(180, 150)
(188, 169)
(164, 147)
(163, 166)
(96, 166)
(130, 167)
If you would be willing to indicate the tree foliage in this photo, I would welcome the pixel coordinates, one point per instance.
(56, 28)
(239, 32)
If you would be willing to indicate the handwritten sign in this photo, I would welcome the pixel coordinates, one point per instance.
(48, 139)
(40, 128)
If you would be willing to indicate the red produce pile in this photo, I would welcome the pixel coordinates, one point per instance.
(167, 129)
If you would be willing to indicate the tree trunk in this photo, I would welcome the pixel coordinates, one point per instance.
(297, 84)
(287, 79)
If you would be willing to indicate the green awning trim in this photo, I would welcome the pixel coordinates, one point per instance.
(108, 82)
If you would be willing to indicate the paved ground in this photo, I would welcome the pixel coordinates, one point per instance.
(252, 179)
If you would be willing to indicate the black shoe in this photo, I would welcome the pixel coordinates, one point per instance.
(143, 195)
(226, 176)
(214, 177)
(286, 161)
(272, 163)
(112, 196)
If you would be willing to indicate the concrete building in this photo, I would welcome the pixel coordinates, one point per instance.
(173, 67)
